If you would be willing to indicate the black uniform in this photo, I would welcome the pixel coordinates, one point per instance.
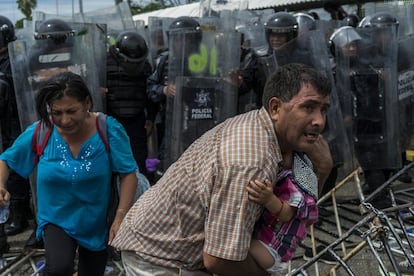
(127, 101)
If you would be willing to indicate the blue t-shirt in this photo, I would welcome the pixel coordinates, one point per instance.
(73, 193)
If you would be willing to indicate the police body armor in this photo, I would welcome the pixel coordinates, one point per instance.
(199, 66)
(35, 60)
(373, 84)
(127, 96)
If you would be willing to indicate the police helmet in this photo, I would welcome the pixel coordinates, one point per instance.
(6, 31)
(186, 23)
(305, 22)
(351, 20)
(55, 29)
(282, 22)
(131, 46)
(380, 19)
(364, 22)
(342, 37)
(383, 19)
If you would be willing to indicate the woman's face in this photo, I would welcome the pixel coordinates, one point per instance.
(69, 114)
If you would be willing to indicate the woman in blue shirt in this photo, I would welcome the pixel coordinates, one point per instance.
(73, 176)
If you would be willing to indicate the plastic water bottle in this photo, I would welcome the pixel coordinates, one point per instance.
(4, 213)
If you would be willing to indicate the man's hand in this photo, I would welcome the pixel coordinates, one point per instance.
(4, 197)
(169, 90)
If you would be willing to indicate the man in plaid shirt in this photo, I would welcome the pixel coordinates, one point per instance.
(197, 218)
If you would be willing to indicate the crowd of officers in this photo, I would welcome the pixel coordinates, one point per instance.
(139, 91)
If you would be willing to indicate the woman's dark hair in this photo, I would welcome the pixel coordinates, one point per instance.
(60, 85)
(287, 81)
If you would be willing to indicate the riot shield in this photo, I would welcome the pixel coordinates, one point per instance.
(205, 96)
(311, 48)
(252, 22)
(35, 60)
(157, 36)
(373, 83)
(406, 90)
(327, 27)
(117, 18)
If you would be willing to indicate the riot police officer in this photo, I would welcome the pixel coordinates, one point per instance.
(280, 28)
(52, 50)
(160, 88)
(375, 129)
(245, 75)
(18, 187)
(126, 99)
(343, 46)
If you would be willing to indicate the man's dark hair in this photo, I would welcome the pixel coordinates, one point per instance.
(287, 81)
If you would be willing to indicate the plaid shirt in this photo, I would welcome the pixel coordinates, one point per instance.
(286, 235)
(201, 202)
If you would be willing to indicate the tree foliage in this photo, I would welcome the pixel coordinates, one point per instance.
(153, 6)
(26, 7)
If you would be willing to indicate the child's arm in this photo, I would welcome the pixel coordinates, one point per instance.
(262, 193)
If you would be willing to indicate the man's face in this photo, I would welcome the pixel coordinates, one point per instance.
(277, 40)
(300, 121)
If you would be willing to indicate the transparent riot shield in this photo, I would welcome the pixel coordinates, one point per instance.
(327, 27)
(252, 22)
(406, 91)
(373, 83)
(117, 18)
(157, 36)
(311, 48)
(205, 96)
(35, 60)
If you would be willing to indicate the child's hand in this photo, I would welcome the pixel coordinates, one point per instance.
(260, 192)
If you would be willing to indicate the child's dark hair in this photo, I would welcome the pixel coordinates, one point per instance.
(58, 86)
